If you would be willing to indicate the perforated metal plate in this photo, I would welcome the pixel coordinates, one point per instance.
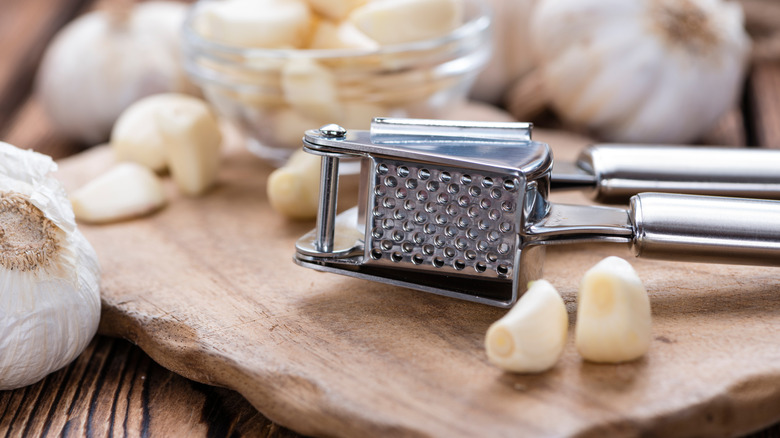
(443, 219)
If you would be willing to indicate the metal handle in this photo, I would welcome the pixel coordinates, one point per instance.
(624, 170)
(706, 229)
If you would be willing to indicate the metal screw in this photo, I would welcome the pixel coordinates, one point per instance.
(333, 130)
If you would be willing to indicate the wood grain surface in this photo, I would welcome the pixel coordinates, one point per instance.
(114, 389)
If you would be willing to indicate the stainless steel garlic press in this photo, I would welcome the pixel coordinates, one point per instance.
(461, 209)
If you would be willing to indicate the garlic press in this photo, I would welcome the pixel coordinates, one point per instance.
(461, 209)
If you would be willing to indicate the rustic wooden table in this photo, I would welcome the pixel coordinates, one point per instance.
(114, 387)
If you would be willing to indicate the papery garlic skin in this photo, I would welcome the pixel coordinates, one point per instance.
(613, 313)
(101, 63)
(512, 52)
(530, 338)
(49, 299)
(659, 71)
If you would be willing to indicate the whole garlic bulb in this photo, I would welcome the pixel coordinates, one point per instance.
(512, 52)
(641, 71)
(107, 59)
(49, 274)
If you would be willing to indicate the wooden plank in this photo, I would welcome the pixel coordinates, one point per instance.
(114, 389)
(764, 103)
(209, 291)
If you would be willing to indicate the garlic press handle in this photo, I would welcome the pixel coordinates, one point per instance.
(706, 229)
(621, 171)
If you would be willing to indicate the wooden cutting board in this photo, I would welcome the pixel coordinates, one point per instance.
(208, 289)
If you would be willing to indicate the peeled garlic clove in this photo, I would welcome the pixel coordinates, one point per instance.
(336, 10)
(126, 191)
(329, 35)
(293, 190)
(192, 141)
(613, 313)
(268, 24)
(530, 338)
(404, 21)
(49, 274)
(311, 89)
(358, 115)
(136, 136)
(643, 71)
(286, 126)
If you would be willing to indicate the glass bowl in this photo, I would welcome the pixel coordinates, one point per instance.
(272, 96)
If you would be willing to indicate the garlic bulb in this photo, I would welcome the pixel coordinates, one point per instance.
(49, 292)
(106, 60)
(512, 53)
(641, 71)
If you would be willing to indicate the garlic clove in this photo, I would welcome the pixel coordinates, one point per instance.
(329, 35)
(336, 10)
(613, 313)
(136, 136)
(530, 338)
(286, 126)
(126, 191)
(192, 141)
(311, 89)
(403, 21)
(293, 190)
(358, 115)
(256, 23)
(49, 274)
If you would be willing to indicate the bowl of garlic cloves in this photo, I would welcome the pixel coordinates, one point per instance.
(275, 68)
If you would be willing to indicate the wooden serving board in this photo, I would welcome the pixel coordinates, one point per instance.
(208, 289)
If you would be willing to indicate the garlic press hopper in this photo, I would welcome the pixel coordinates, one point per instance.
(461, 209)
